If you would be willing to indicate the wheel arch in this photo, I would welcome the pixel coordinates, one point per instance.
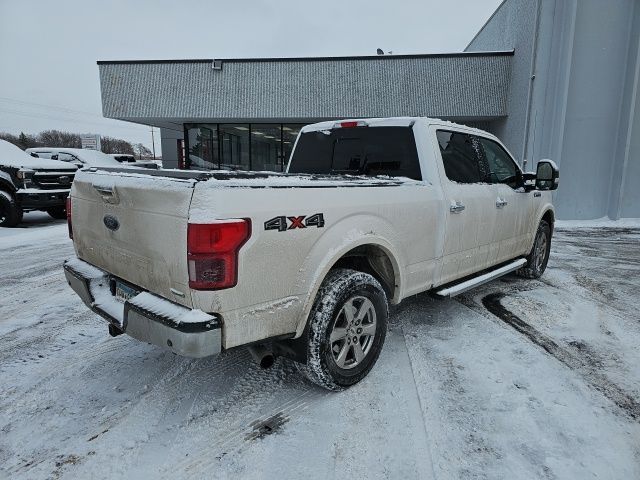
(373, 255)
(549, 216)
(6, 183)
(547, 213)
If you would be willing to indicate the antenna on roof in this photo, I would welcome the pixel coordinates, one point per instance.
(379, 51)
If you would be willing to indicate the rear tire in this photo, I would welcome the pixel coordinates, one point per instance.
(346, 329)
(10, 211)
(539, 256)
(59, 213)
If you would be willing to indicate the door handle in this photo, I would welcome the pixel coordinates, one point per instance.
(500, 202)
(456, 207)
(108, 193)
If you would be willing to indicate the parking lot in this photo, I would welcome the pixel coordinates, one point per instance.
(517, 379)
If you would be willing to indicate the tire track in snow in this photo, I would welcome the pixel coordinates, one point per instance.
(629, 405)
(254, 397)
(244, 431)
(49, 259)
(13, 341)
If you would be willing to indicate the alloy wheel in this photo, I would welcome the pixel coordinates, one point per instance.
(353, 332)
(541, 250)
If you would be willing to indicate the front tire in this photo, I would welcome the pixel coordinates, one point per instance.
(59, 213)
(346, 329)
(539, 256)
(10, 211)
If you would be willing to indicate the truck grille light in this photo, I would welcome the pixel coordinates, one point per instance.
(212, 253)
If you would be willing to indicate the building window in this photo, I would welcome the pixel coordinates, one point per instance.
(202, 147)
(266, 147)
(234, 146)
(243, 146)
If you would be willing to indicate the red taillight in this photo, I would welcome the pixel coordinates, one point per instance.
(68, 209)
(351, 124)
(212, 253)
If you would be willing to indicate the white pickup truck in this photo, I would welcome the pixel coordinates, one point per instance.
(304, 264)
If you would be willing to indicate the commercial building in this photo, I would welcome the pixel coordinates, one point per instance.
(552, 78)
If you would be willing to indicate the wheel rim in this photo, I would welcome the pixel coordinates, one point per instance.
(352, 333)
(541, 250)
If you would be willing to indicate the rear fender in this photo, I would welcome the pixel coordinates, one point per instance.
(333, 245)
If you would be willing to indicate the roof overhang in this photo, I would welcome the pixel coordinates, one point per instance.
(170, 92)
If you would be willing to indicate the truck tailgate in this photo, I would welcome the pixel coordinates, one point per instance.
(135, 227)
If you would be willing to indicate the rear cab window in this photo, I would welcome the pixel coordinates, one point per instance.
(370, 151)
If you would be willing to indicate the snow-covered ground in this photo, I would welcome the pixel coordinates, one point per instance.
(519, 379)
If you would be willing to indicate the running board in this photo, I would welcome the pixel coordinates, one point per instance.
(459, 288)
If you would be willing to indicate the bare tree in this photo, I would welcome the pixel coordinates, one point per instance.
(56, 138)
(10, 138)
(141, 151)
(60, 139)
(115, 145)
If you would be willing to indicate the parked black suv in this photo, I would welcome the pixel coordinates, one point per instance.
(28, 183)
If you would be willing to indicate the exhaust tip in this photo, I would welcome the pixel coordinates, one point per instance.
(267, 361)
(263, 356)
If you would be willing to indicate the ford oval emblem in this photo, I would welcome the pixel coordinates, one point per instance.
(111, 222)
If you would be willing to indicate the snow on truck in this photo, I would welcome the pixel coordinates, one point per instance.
(305, 264)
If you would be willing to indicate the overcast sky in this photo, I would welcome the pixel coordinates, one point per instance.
(49, 48)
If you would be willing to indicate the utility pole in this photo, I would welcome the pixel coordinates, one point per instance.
(153, 144)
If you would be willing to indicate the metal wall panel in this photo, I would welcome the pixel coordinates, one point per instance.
(463, 85)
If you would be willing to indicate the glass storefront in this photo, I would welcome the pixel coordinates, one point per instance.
(226, 146)
(266, 147)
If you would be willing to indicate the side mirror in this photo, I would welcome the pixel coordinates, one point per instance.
(547, 175)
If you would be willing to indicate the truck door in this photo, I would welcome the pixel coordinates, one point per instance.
(470, 203)
(511, 202)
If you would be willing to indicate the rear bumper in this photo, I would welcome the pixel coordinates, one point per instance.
(147, 317)
(33, 198)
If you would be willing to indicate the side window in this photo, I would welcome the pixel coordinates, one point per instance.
(67, 157)
(459, 156)
(502, 169)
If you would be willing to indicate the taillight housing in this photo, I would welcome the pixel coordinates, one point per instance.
(68, 210)
(350, 124)
(212, 252)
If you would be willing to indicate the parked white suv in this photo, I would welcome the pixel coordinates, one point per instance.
(305, 264)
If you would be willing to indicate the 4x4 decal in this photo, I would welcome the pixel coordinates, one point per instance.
(283, 223)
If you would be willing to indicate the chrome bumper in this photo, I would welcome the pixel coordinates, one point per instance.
(147, 317)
